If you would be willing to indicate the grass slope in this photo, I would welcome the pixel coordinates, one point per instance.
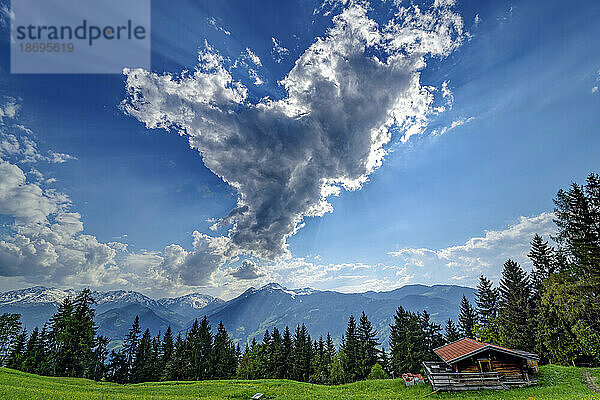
(555, 383)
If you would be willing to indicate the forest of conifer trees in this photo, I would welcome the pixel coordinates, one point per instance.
(554, 310)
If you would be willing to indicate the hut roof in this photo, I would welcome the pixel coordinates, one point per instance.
(465, 347)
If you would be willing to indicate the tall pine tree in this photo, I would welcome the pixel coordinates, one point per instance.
(408, 346)
(486, 299)
(351, 349)
(368, 352)
(467, 318)
(451, 332)
(514, 307)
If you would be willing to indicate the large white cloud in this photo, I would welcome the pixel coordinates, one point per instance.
(45, 242)
(285, 157)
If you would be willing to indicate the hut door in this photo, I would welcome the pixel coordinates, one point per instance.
(485, 366)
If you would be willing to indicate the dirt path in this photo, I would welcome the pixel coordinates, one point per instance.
(590, 380)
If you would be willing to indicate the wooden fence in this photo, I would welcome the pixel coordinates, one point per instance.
(458, 381)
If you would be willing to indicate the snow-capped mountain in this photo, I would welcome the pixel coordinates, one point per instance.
(191, 305)
(194, 300)
(123, 296)
(272, 287)
(35, 295)
(115, 310)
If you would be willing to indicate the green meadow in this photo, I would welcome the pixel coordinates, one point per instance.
(555, 383)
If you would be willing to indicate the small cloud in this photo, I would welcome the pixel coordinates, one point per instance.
(59, 158)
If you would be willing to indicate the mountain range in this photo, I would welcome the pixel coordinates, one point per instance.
(248, 315)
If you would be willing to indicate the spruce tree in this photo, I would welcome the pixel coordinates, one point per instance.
(98, 368)
(224, 359)
(167, 349)
(514, 307)
(266, 361)
(486, 299)
(284, 364)
(15, 358)
(451, 332)
(576, 307)
(302, 354)
(351, 348)
(384, 360)
(141, 369)
(578, 219)
(367, 337)
(118, 370)
(408, 347)
(276, 342)
(206, 343)
(130, 344)
(192, 352)
(329, 349)
(176, 367)
(83, 330)
(543, 260)
(198, 350)
(467, 318)
(433, 335)
(10, 327)
(31, 358)
(62, 339)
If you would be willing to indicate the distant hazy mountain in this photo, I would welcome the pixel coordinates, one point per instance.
(248, 315)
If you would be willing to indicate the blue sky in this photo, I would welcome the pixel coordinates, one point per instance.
(450, 202)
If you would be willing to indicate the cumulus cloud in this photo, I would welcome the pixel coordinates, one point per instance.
(247, 271)
(329, 132)
(45, 241)
(480, 255)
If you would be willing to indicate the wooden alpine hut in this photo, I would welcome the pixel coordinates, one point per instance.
(469, 364)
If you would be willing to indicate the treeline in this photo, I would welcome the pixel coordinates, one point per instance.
(298, 357)
(198, 355)
(555, 309)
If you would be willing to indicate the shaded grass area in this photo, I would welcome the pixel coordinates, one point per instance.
(555, 383)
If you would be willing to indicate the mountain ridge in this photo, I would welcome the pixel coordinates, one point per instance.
(250, 313)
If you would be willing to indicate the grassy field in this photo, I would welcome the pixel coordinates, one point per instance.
(555, 383)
